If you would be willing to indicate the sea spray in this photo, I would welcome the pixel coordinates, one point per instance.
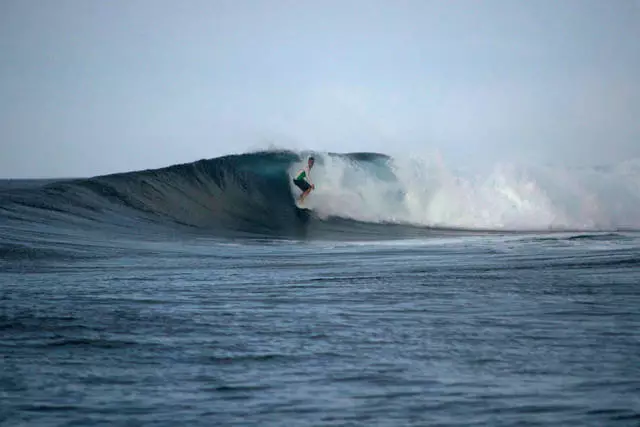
(425, 191)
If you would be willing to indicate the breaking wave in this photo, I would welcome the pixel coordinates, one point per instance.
(357, 194)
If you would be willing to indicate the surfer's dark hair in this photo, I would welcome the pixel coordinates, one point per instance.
(312, 158)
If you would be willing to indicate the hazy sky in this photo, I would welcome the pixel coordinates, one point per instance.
(89, 87)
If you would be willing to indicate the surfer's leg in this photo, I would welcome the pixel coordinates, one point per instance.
(304, 195)
(304, 186)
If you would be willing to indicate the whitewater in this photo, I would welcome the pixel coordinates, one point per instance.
(427, 192)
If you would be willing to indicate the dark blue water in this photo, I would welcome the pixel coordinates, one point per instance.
(119, 308)
(462, 331)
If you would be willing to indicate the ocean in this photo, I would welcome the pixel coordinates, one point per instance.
(199, 294)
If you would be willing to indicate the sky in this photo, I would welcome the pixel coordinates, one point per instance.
(94, 87)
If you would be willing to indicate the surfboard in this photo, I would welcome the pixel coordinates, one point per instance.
(301, 205)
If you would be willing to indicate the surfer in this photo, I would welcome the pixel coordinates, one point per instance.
(302, 180)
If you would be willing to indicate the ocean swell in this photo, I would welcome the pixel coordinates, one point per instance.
(357, 195)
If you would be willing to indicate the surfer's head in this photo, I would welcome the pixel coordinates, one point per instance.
(311, 161)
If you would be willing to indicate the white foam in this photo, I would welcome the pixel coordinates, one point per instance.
(425, 191)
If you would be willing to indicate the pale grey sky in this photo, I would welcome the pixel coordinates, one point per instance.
(89, 87)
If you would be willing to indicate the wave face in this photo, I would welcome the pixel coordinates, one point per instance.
(357, 195)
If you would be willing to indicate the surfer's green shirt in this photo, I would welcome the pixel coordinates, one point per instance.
(303, 174)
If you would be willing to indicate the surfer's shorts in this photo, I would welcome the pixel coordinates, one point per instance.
(302, 184)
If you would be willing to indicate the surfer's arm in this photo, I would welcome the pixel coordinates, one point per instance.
(309, 179)
(304, 175)
(307, 175)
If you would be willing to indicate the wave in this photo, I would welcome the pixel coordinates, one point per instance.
(357, 195)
